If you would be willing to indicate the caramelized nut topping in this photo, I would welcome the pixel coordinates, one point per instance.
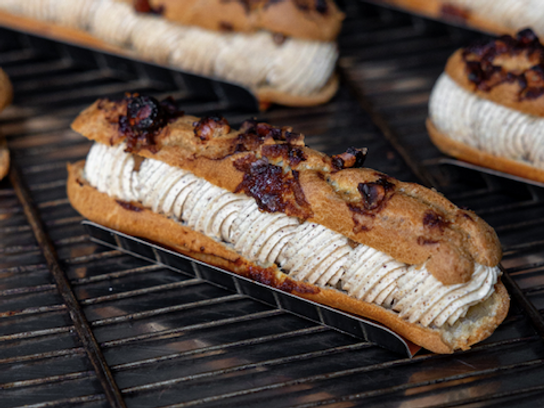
(210, 127)
(507, 60)
(264, 130)
(247, 142)
(272, 189)
(253, 134)
(432, 219)
(374, 193)
(291, 154)
(143, 6)
(144, 120)
(352, 158)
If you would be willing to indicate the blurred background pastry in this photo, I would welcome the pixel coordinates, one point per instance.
(284, 51)
(488, 106)
(491, 16)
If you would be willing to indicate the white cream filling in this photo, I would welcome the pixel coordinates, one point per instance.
(514, 14)
(485, 125)
(298, 67)
(306, 251)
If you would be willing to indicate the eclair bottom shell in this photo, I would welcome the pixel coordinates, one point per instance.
(136, 220)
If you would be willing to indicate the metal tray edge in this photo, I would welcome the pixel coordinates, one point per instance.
(337, 320)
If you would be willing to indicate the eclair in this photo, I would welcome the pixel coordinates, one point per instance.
(487, 107)
(492, 16)
(257, 201)
(284, 51)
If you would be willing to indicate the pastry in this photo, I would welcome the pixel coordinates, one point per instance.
(260, 203)
(488, 106)
(284, 51)
(492, 16)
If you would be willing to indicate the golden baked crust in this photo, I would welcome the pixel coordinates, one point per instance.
(472, 155)
(412, 224)
(308, 19)
(135, 220)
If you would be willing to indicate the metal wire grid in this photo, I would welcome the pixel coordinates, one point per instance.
(170, 342)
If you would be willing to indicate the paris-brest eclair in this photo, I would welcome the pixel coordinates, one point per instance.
(283, 50)
(488, 106)
(260, 203)
(491, 16)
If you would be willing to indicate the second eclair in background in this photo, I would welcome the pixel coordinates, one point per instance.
(284, 51)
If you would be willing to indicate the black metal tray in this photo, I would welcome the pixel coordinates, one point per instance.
(344, 322)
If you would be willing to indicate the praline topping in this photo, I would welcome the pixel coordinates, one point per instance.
(272, 188)
(351, 158)
(144, 120)
(507, 60)
(433, 220)
(143, 6)
(375, 193)
(374, 198)
(290, 154)
(253, 134)
(209, 127)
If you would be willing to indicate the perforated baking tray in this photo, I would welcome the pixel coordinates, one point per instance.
(344, 322)
(162, 339)
(187, 85)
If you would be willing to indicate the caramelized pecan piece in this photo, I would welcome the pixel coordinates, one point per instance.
(210, 127)
(145, 117)
(291, 154)
(273, 189)
(433, 220)
(506, 60)
(351, 158)
(374, 193)
(143, 6)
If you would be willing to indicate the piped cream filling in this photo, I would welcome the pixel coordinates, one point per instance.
(306, 251)
(485, 125)
(515, 14)
(298, 67)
